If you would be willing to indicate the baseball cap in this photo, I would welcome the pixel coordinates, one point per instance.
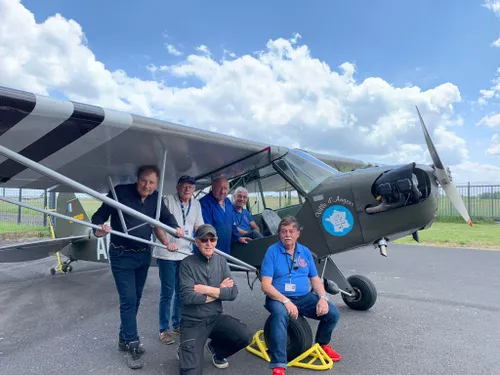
(205, 229)
(189, 179)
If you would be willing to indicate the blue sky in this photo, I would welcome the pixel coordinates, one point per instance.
(389, 39)
(426, 43)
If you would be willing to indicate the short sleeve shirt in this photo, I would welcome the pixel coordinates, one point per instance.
(278, 264)
(188, 217)
(243, 219)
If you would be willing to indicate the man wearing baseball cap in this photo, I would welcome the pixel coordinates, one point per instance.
(202, 310)
(187, 212)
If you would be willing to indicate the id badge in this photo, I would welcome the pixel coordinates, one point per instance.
(290, 287)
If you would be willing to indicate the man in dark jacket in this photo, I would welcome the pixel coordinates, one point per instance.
(205, 281)
(130, 260)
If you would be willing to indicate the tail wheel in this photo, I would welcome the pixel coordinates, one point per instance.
(365, 293)
(299, 336)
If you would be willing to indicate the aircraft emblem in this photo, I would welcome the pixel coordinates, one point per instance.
(338, 220)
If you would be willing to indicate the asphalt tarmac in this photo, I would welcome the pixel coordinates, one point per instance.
(438, 312)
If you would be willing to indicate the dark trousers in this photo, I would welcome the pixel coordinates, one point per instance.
(130, 270)
(306, 305)
(229, 335)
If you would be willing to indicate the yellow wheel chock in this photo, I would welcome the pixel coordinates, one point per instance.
(315, 353)
(258, 346)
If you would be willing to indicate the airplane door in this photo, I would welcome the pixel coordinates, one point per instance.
(333, 211)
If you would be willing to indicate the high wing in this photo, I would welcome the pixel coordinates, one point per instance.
(88, 143)
(342, 164)
(35, 249)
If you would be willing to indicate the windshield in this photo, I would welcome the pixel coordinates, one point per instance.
(305, 170)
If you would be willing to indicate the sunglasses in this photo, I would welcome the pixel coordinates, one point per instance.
(211, 239)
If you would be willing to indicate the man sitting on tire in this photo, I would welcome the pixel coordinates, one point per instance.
(286, 270)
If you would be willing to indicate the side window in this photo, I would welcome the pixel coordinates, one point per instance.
(276, 196)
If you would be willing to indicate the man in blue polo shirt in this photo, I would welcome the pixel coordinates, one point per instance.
(286, 271)
(218, 211)
(243, 219)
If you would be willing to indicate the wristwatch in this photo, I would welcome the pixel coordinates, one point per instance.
(286, 301)
(325, 297)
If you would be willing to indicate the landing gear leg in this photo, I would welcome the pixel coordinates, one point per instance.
(357, 291)
(63, 267)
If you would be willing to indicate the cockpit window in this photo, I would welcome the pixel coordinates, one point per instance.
(305, 170)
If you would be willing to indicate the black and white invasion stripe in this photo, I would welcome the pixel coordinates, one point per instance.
(50, 131)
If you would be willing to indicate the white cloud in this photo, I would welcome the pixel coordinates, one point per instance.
(281, 95)
(475, 173)
(493, 121)
(494, 91)
(203, 49)
(492, 94)
(494, 149)
(493, 5)
(172, 50)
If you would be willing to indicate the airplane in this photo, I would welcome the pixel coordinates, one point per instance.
(343, 204)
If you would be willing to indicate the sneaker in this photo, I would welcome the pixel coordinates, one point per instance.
(134, 360)
(177, 331)
(278, 371)
(166, 338)
(123, 347)
(331, 353)
(218, 362)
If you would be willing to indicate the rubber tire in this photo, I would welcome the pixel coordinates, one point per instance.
(299, 336)
(53, 271)
(367, 290)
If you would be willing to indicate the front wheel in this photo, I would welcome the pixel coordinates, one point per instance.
(365, 293)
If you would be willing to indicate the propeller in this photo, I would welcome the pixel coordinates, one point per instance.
(443, 177)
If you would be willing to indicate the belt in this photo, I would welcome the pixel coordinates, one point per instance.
(134, 250)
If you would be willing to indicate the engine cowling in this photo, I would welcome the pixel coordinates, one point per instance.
(396, 188)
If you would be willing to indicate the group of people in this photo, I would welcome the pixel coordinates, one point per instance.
(199, 280)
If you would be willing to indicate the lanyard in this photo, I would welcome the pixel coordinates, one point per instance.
(183, 214)
(290, 265)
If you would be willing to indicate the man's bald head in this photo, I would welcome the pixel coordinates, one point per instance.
(220, 188)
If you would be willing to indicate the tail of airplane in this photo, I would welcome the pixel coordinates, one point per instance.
(68, 204)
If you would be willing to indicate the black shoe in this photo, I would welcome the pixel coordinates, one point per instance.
(123, 347)
(134, 360)
(218, 362)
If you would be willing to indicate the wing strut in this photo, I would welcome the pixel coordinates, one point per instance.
(120, 213)
(160, 188)
(86, 223)
(103, 198)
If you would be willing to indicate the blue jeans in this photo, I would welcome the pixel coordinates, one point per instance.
(253, 234)
(130, 270)
(169, 280)
(306, 305)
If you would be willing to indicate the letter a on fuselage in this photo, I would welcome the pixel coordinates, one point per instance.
(102, 247)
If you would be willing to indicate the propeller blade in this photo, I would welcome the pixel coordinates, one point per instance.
(455, 198)
(442, 176)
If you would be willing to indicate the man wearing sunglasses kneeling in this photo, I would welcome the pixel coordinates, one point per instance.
(204, 282)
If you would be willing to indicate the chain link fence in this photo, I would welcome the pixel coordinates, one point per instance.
(482, 202)
(16, 220)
